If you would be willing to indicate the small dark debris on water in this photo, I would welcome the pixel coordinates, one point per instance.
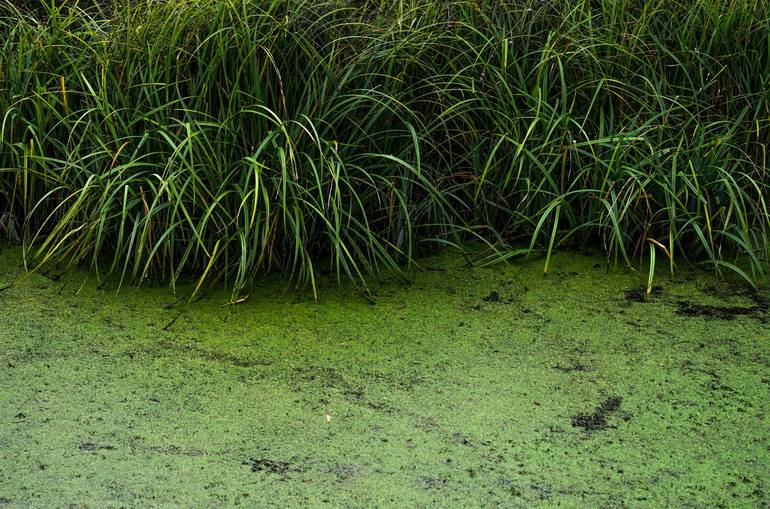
(4, 501)
(461, 439)
(355, 394)
(762, 302)
(611, 404)
(345, 472)
(641, 295)
(89, 447)
(430, 483)
(172, 322)
(576, 366)
(494, 296)
(598, 419)
(690, 309)
(270, 466)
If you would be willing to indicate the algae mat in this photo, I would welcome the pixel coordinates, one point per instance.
(468, 387)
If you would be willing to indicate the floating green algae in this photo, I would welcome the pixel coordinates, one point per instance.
(468, 387)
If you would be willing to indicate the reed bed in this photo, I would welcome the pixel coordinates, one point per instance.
(222, 139)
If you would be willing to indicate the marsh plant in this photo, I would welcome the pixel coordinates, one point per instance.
(227, 138)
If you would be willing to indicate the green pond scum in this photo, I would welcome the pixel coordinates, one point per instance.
(467, 387)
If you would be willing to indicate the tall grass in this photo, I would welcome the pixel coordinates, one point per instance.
(228, 138)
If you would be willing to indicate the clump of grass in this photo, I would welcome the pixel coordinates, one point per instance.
(226, 139)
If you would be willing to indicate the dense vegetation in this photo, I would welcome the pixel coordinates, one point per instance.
(227, 138)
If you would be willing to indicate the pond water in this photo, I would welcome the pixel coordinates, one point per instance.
(467, 387)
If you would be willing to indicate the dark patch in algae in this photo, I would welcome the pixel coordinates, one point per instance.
(598, 418)
(641, 295)
(90, 447)
(271, 466)
(721, 312)
(572, 368)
